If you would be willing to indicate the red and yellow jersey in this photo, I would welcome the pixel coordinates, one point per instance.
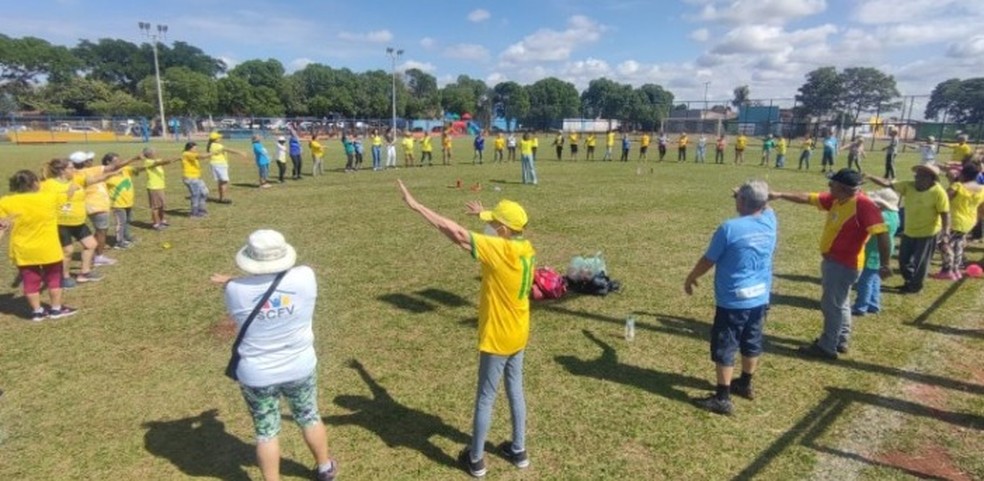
(849, 224)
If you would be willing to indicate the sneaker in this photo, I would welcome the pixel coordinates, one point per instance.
(715, 405)
(477, 468)
(122, 245)
(842, 349)
(744, 390)
(39, 316)
(159, 227)
(65, 311)
(814, 350)
(942, 276)
(91, 276)
(103, 261)
(327, 475)
(520, 459)
(165, 223)
(68, 283)
(858, 313)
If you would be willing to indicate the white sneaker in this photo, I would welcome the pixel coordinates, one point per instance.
(103, 261)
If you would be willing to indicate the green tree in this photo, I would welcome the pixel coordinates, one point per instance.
(741, 96)
(866, 89)
(424, 97)
(820, 95)
(185, 92)
(121, 103)
(551, 99)
(969, 106)
(607, 99)
(234, 96)
(513, 101)
(71, 96)
(650, 106)
(117, 62)
(464, 96)
(181, 54)
(25, 61)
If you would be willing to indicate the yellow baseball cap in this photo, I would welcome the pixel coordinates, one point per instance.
(507, 213)
(214, 136)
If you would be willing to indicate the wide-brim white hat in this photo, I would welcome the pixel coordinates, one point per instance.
(266, 252)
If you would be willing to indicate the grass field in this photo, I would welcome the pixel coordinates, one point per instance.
(131, 388)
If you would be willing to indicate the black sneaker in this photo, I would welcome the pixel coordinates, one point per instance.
(743, 390)
(814, 350)
(715, 405)
(327, 475)
(477, 468)
(65, 311)
(39, 316)
(521, 460)
(842, 349)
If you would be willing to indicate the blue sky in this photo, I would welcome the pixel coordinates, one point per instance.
(767, 44)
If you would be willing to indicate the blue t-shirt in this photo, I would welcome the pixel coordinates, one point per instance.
(479, 143)
(294, 144)
(830, 144)
(625, 143)
(262, 157)
(742, 250)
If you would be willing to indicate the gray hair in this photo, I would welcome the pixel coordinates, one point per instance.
(148, 152)
(753, 194)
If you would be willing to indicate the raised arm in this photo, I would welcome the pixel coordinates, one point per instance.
(794, 197)
(451, 229)
(879, 181)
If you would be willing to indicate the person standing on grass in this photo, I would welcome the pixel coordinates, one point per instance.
(277, 352)
(767, 145)
(97, 203)
(626, 145)
(317, 156)
(391, 149)
(661, 143)
(966, 198)
(644, 146)
(511, 146)
(446, 147)
(740, 143)
(427, 150)
(507, 262)
(559, 145)
(926, 221)
(851, 219)
(377, 150)
(609, 145)
(281, 158)
(961, 151)
(806, 152)
(500, 148)
(682, 142)
(359, 149)
(262, 162)
(781, 147)
(219, 164)
(60, 175)
(701, 149)
(740, 252)
(349, 147)
(572, 139)
(719, 147)
(156, 187)
(829, 152)
(527, 160)
(191, 175)
(121, 198)
(479, 145)
(855, 153)
(868, 300)
(891, 151)
(31, 215)
(589, 146)
(407, 144)
(927, 150)
(294, 149)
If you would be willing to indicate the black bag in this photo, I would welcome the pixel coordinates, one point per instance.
(230, 370)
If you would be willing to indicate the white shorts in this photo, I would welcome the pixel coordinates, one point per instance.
(220, 172)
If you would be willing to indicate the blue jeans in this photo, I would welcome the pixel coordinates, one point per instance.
(835, 302)
(869, 292)
(529, 170)
(377, 157)
(199, 194)
(490, 370)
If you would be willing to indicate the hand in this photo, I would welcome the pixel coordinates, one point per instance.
(474, 208)
(774, 195)
(689, 284)
(884, 272)
(220, 278)
(407, 196)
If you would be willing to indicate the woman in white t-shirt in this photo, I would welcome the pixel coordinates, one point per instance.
(277, 350)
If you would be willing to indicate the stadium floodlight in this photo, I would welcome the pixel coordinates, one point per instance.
(154, 38)
(394, 54)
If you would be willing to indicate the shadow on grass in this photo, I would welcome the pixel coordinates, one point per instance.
(607, 367)
(446, 298)
(139, 224)
(407, 303)
(425, 302)
(199, 446)
(790, 300)
(396, 425)
(246, 185)
(799, 278)
(13, 306)
(503, 181)
(814, 424)
(920, 322)
(178, 213)
(775, 346)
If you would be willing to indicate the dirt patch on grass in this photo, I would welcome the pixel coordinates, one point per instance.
(929, 461)
(926, 394)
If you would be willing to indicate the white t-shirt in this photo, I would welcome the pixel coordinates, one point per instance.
(281, 153)
(279, 344)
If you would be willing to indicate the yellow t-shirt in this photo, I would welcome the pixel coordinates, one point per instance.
(573, 138)
(408, 145)
(781, 146)
(644, 141)
(96, 195)
(425, 144)
(963, 207)
(317, 150)
(500, 143)
(191, 167)
(446, 142)
(34, 231)
(72, 211)
(922, 209)
(155, 175)
(740, 142)
(591, 140)
(536, 142)
(808, 144)
(682, 141)
(961, 152)
(525, 147)
(120, 188)
(218, 154)
(504, 299)
(610, 139)
(377, 141)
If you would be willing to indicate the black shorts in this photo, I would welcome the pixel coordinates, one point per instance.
(643, 149)
(734, 330)
(66, 233)
(573, 148)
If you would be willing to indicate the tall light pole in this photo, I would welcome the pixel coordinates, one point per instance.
(394, 54)
(705, 98)
(154, 37)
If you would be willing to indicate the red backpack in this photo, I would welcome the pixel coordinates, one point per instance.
(547, 284)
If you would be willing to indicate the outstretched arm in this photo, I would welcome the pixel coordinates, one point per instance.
(794, 197)
(879, 181)
(458, 234)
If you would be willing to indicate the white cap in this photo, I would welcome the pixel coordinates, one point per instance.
(79, 157)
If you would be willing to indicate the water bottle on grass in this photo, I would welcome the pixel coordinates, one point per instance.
(630, 328)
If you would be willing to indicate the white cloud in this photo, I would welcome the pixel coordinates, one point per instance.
(423, 66)
(546, 45)
(299, 64)
(479, 15)
(773, 12)
(377, 36)
(467, 51)
(973, 47)
(627, 67)
(229, 61)
(495, 78)
(874, 12)
(700, 35)
(751, 39)
(427, 42)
